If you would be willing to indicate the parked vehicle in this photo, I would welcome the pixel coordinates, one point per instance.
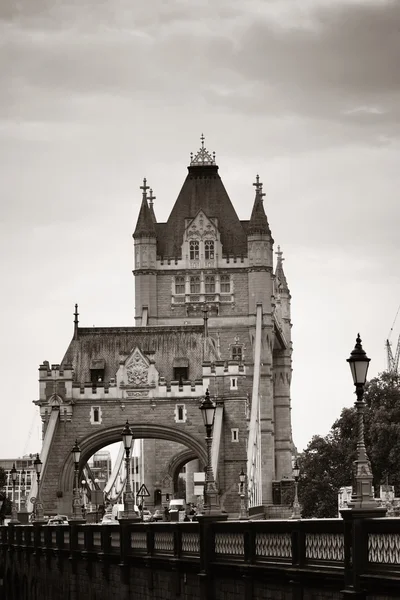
(178, 504)
(157, 515)
(58, 520)
(109, 519)
(147, 516)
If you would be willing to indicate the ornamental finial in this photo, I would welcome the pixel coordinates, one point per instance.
(144, 187)
(203, 156)
(258, 185)
(151, 197)
(279, 254)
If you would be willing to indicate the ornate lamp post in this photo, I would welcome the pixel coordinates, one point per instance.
(212, 507)
(76, 500)
(23, 497)
(242, 493)
(39, 515)
(362, 498)
(296, 514)
(129, 500)
(14, 516)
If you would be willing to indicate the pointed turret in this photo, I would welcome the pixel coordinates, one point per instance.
(258, 221)
(145, 223)
(279, 272)
(145, 262)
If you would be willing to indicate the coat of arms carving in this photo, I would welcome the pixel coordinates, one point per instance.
(137, 370)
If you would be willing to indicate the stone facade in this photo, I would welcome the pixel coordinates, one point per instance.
(200, 279)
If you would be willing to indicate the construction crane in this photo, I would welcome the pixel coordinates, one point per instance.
(393, 361)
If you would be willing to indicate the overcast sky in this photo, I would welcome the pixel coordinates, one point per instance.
(97, 95)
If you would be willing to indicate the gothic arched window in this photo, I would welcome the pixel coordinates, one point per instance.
(209, 249)
(194, 250)
(179, 285)
(225, 284)
(237, 353)
(210, 284)
(195, 285)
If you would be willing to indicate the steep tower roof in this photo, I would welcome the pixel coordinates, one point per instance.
(258, 221)
(279, 272)
(202, 189)
(145, 223)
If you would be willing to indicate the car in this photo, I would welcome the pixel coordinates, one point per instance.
(147, 516)
(108, 519)
(157, 515)
(58, 520)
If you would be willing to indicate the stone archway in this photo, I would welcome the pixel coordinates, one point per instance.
(95, 441)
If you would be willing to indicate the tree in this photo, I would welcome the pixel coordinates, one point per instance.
(327, 463)
(5, 508)
(3, 478)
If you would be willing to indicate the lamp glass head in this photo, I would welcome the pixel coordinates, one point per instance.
(359, 363)
(127, 436)
(14, 473)
(242, 476)
(296, 469)
(76, 453)
(208, 408)
(37, 463)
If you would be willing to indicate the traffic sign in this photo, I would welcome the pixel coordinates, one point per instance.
(33, 500)
(143, 491)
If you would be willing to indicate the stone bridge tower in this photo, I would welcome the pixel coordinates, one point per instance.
(210, 312)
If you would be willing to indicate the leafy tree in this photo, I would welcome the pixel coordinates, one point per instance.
(3, 478)
(327, 463)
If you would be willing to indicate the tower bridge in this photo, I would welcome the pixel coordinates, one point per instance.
(212, 311)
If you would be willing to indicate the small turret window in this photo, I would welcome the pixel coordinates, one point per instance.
(210, 285)
(209, 249)
(225, 284)
(179, 285)
(194, 250)
(195, 285)
(237, 353)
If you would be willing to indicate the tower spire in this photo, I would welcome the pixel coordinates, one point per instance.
(76, 322)
(151, 198)
(145, 223)
(258, 221)
(279, 272)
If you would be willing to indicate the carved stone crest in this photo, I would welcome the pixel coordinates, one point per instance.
(137, 369)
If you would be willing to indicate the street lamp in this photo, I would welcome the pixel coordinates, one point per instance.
(362, 497)
(83, 483)
(242, 493)
(129, 499)
(296, 514)
(39, 515)
(76, 500)
(208, 409)
(14, 515)
(23, 499)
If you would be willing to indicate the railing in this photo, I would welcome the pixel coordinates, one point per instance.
(305, 548)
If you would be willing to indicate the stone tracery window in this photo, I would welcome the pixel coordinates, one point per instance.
(194, 249)
(225, 283)
(179, 285)
(237, 353)
(195, 285)
(209, 249)
(210, 284)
